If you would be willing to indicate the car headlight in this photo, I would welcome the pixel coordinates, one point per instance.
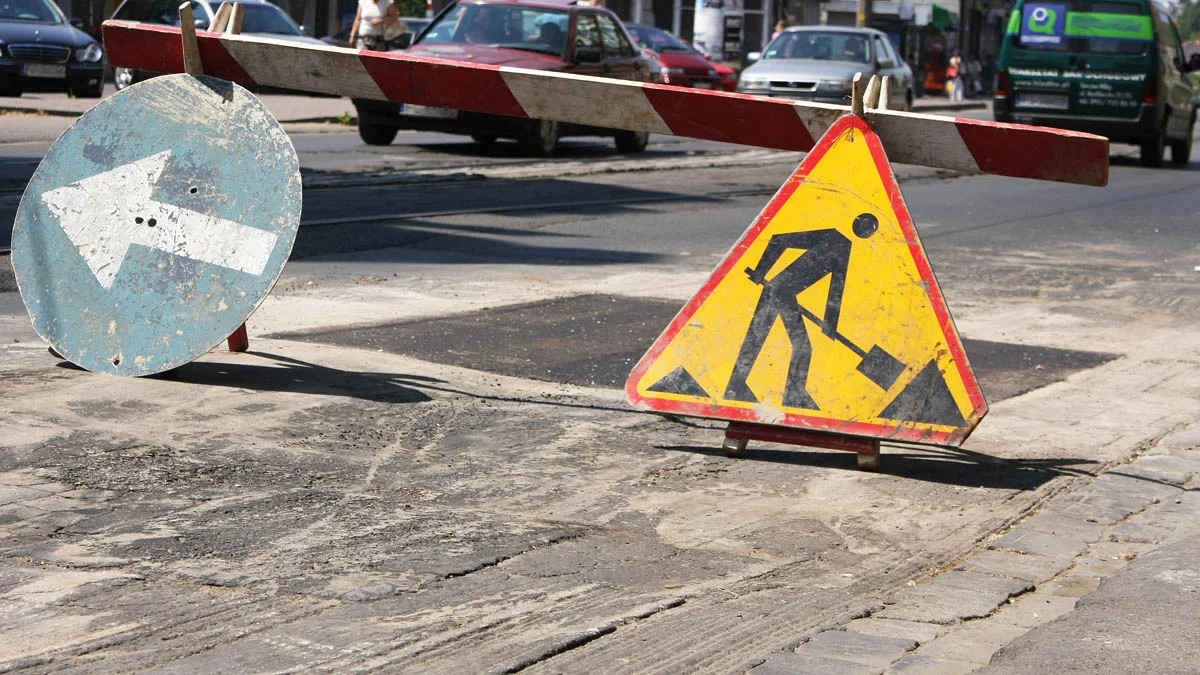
(834, 86)
(91, 53)
(673, 71)
(712, 72)
(752, 82)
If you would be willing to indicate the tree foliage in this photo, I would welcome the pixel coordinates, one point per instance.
(1189, 19)
(414, 8)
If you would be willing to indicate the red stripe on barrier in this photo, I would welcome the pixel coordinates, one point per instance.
(733, 118)
(1004, 149)
(443, 84)
(160, 49)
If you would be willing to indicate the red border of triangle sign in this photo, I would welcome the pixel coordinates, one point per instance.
(930, 395)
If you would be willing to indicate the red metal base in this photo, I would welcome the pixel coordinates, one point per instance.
(739, 433)
(239, 341)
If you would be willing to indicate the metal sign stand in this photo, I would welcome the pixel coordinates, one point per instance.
(228, 20)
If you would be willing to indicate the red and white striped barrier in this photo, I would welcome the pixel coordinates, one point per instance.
(910, 138)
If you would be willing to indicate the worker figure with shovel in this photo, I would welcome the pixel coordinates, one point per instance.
(826, 253)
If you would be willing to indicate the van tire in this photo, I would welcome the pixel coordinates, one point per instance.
(1181, 151)
(1152, 150)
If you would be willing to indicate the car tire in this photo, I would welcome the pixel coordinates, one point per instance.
(1152, 150)
(10, 91)
(124, 78)
(541, 139)
(483, 139)
(632, 142)
(1181, 151)
(376, 134)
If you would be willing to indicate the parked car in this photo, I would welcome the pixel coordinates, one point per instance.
(818, 63)
(41, 51)
(413, 26)
(1111, 68)
(682, 65)
(547, 35)
(261, 19)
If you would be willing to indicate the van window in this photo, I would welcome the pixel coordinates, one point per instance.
(1083, 26)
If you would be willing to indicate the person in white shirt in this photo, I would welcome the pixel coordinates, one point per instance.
(372, 21)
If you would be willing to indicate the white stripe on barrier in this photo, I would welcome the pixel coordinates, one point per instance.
(561, 98)
(912, 140)
(320, 69)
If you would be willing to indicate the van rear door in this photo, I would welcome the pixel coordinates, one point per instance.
(1086, 58)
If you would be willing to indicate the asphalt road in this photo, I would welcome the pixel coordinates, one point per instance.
(422, 466)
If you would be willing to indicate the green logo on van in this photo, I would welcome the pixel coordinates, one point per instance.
(1042, 20)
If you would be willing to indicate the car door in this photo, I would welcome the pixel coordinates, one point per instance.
(587, 51)
(887, 63)
(1178, 89)
(620, 58)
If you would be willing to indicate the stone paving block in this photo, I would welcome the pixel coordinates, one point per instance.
(1032, 567)
(943, 605)
(1034, 609)
(973, 643)
(1187, 438)
(1140, 533)
(915, 664)
(871, 650)
(15, 513)
(801, 664)
(911, 630)
(1027, 540)
(1168, 469)
(1063, 525)
(983, 583)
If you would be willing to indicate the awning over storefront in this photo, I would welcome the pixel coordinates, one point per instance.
(943, 19)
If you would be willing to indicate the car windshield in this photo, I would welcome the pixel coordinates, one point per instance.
(526, 28)
(819, 45)
(39, 11)
(268, 19)
(658, 40)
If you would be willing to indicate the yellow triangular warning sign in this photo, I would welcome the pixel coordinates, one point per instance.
(825, 315)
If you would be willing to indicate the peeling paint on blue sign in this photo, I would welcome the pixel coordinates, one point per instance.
(156, 224)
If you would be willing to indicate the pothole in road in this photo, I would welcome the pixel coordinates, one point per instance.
(595, 340)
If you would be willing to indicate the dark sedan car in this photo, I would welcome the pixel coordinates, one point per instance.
(413, 28)
(41, 51)
(550, 35)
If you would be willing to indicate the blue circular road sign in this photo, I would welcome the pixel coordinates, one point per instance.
(156, 224)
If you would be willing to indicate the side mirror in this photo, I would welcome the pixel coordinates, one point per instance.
(77, 22)
(401, 41)
(885, 64)
(753, 56)
(587, 55)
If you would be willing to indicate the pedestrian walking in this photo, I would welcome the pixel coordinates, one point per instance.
(372, 22)
(954, 77)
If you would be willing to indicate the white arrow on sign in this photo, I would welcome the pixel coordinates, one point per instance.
(104, 214)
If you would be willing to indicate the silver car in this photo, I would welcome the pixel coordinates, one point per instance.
(818, 63)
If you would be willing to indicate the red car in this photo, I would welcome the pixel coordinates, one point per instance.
(535, 34)
(682, 65)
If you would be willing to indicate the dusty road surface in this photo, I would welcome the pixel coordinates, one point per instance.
(424, 464)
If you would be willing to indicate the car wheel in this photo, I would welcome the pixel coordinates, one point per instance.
(1152, 150)
(1181, 151)
(908, 101)
(630, 142)
(483, 139)
(123, 78)
(376, 134)
(541, 139)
